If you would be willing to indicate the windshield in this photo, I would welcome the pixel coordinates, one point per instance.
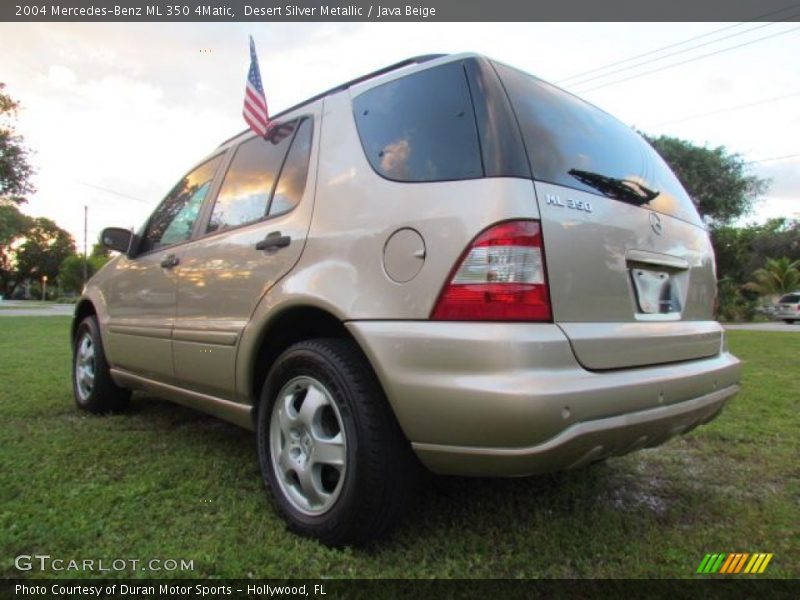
(572, 143)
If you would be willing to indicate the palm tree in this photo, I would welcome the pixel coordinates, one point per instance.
(777, 277)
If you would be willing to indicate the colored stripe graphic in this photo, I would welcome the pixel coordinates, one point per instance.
(734, 563)
(703, 563)
(711, 563)
(765, 563)
(740, 564)
(727, 564)
(754, 562)
(717, 564)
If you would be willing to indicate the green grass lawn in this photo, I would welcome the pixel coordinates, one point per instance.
(164, 482)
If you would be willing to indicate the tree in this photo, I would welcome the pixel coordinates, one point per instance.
(99, 249)
(716, 180)
(45, 247)
(31, 248)
(776, 277)
(777, 237)
(15, 170)
(70, 275)
(742, 250)
(13, 225)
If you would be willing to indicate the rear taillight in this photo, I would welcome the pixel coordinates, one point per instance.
(500, 277)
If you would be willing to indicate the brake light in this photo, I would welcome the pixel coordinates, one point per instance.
(500, 277)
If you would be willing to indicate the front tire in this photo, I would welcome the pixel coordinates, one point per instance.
(92, 386)
(334, 461)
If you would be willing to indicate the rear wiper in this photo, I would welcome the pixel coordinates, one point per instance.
(626, 190)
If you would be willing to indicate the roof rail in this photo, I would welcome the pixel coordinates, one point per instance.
(414, 60)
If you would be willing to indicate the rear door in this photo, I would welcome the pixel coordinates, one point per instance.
(253, 234)
(630, 264)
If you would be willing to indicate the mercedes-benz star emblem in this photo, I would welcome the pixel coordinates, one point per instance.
(655, 223)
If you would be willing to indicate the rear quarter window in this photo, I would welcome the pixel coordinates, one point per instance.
(421, 127)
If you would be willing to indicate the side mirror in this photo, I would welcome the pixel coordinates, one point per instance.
(118, 239)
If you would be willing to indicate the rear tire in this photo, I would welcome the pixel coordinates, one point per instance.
(334, 460)
(788, 321)
(92, 386)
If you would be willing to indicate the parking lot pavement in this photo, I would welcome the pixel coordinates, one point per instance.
(22, 308)
(773, 326)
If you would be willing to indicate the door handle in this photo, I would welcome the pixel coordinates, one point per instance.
(274, 241)
(170, 261)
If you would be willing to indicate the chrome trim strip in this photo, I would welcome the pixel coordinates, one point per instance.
(204, 336)
(151, 332)
(656, 258)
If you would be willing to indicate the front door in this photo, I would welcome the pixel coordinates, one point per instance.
(142, 291)
(254, 234)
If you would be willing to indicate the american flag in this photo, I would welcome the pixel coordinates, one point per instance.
(255, 103)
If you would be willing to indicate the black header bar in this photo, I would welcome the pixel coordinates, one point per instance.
(397, 10)
(398, 589)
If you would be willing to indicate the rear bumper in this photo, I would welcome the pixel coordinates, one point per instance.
(511, 399)
(581, 443)
(787, 314)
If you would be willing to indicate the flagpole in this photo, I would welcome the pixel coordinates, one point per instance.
(255, 111)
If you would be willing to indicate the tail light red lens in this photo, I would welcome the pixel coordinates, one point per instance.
(500, 277)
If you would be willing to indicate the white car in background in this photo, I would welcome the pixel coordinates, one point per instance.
(788, 308)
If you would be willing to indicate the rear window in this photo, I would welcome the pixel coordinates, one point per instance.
(790, 299)
(421, 127)
(566, 138)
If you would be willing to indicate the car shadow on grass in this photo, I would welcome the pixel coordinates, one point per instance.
(648, 492)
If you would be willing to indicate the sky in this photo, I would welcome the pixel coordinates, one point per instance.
(116, 113)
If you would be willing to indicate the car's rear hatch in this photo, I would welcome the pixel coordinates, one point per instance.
(630, 266)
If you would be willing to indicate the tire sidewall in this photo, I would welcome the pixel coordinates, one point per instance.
(106, 396)
(86, 326)
(293, 363)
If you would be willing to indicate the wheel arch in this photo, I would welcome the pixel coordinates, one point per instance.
(83, 309)
(289, 326)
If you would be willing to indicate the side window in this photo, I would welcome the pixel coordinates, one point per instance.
(421, 127)
(292, 181)
(247, 187)
(173, 221)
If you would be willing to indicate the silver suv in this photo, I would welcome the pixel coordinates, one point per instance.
(788, 308)
(446, 262)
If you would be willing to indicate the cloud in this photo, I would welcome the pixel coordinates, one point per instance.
(785, 176)
(131, 107)
(60, 77)
(394, 158)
